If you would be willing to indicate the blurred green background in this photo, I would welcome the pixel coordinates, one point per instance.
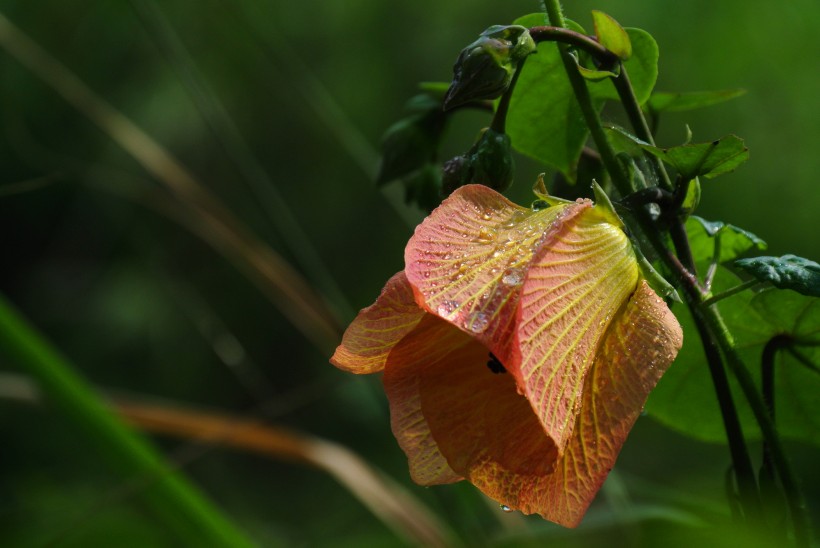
(277, 108)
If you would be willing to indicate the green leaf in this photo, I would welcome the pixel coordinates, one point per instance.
(642, 68)
(411, 143)
(754, 321)
(733, 240)
(611, 35)
(595, 75)
(684, 398)
(786, 272)
(544, 121)
(436, 89)
(677, 102)
(706, 159)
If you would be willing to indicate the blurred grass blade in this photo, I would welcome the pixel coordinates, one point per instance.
(29, 185)
(405, 515)
(178, 503)
(263, 190)
(389, 501)
(280, 282)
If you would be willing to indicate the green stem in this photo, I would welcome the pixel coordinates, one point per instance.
(738, 449)
(729, 292)
(633, 111)
(183, 509)
(572, 38)
(767, 367)
(794, 497)
(499, 122)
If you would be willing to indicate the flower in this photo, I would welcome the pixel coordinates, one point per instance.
(552, 300)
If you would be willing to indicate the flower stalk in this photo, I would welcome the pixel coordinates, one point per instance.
(710, 325)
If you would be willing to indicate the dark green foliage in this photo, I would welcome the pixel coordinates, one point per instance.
(485, 68)
(662, 101)
(704, 159)
(706, 238)
(786, 272)
(544, 121)
(412, 142)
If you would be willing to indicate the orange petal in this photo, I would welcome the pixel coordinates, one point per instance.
(432, 342)
(583, 273)
(368, 340)
(467, 260)
(453, 417)
(638, 348)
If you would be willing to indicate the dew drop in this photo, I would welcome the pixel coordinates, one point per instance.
(485, 236)
(478, 322)
(487, 215)
(505, 508)
(512, 276)
(447, 309)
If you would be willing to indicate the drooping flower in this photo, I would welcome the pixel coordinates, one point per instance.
(518, 349)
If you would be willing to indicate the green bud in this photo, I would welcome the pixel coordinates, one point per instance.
(492, 161)
(489, 162)
(455, 173)
(485, 68)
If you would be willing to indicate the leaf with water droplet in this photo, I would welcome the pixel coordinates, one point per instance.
(786, 272)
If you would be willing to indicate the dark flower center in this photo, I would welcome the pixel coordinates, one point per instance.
(495, 364)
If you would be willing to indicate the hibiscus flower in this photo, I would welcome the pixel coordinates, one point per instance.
(518, 349)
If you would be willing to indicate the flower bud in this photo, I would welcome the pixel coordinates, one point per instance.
(493, 164)
(489, 162)
(456, 173)
(485, 68)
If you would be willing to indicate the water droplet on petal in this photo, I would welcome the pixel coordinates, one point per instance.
(485, 236)
(512, 276)
(478, 322)
(505, 508)
(447, 309)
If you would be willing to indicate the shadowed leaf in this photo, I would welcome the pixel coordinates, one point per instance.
(661, 101)
(786, 272)
(706, 159)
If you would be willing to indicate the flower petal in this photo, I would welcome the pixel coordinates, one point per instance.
(583, 273)
(370, 337)
(452, 416)
(432, 342)
(638, 348)
(520, 468)
(467, 260)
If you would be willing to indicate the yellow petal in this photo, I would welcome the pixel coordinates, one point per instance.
(583, 273)
(638, 348)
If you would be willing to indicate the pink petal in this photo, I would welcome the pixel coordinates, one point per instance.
(369, 339)
(467, 260)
